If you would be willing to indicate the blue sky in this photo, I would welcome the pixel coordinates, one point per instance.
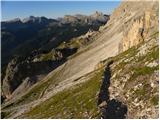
(54, 9)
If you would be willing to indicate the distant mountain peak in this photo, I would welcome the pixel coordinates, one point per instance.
(14, 20)
(34, 19)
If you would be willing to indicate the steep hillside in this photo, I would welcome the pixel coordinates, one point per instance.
(114, 75)
(131, 80)
(39, 48)
(22, 37)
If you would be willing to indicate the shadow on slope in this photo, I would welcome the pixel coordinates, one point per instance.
(110, 109)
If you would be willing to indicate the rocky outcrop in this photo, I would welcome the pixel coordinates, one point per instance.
(19, 69)
(137, 85)
(22, 73)
(12, 68)
(96, 18)
(141, 26)
(129, 87)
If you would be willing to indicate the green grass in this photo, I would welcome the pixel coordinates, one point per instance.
(35, 92)
(48, 56)
(138, 68)
(142, 91)
(72, 103)
(5, 114)
(144, 70)
(127, 54)
(154, 54)
(73, 43)
(155, 100)
(139, 71)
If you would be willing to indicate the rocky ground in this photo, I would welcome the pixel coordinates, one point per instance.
(87, 85)
(134, 81)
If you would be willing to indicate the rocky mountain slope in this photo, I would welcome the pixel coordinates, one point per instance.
(114, 75)
(123, 94)
(40, 48)
(42, 34)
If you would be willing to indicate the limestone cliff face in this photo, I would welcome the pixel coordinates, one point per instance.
(138, 31)
(139, 20)
(10, 73)
(18, 70)
(143, 24)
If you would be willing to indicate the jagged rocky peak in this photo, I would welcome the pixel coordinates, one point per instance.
(34, 19)
(97, 14)
(69, 18)
(80, 16)
(16, 20)
(94, 18)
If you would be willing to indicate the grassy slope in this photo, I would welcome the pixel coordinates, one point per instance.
(80, 101)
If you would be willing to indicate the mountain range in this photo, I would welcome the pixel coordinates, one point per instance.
(22, 37)
(97, 66)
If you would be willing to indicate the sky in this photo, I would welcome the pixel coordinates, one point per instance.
(54, 9)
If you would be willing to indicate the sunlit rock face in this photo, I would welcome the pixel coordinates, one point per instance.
(142, 25)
